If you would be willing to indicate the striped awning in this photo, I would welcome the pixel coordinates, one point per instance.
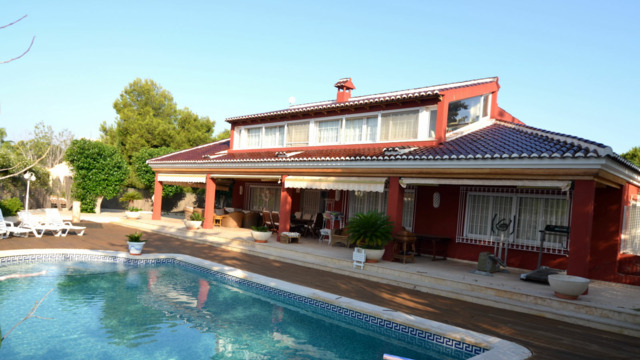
(183, 178)
(336, 183)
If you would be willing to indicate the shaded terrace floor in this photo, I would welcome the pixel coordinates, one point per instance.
(410, 288)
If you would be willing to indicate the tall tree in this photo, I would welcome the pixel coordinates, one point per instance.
(98, 171)
(633, 155)
(143, 172)
(148, 117)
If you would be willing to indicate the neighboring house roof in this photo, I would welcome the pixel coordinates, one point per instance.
(395, 96)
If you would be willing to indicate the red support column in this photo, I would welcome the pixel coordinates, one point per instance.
(285, 208)
(157, 200)
(395, 203)
(581, 228)
(209, 202)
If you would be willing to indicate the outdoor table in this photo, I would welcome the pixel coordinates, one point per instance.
(432, 244)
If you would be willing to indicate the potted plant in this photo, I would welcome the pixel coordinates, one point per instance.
(194, 222)
(372, 232)
(135, 243)
(131, 212)
(260, 233)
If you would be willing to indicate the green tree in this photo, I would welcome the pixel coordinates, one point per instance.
(148, 117)
(98, 171)
(633, 155)
(145, 175)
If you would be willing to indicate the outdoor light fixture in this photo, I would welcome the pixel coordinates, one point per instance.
(436, 200)
(29, 176)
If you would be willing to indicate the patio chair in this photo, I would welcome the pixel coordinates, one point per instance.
(317, 224)
(37, 227)
(54, 217)
(275, 219)
(266, 219)
(7, 228)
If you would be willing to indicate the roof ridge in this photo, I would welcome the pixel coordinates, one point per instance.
(570, 139)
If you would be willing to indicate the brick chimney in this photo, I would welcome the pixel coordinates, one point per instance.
(344, 89)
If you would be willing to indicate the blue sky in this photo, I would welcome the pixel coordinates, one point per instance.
(565, 66)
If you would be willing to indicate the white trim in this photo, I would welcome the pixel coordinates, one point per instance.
(231, 176)
(563, 185)
(183, 178)
(336, 183)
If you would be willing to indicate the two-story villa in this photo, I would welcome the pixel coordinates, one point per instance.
(442, 160)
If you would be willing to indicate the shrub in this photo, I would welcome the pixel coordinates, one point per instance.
(372, 230)
(135, 237)
(196, 217)
(260, 228)
(11, 206)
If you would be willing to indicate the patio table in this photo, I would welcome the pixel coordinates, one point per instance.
(432, 244)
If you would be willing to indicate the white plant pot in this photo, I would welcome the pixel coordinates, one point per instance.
(132, 214)
(192, 224)
(135, 248)
(567, 286)
(260, 236)
(374, 255)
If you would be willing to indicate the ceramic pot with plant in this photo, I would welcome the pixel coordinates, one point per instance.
(135, 243)
(131, 212)
(370, 231)
(261, 234)
(194, 222)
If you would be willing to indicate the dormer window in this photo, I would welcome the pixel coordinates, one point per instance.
(467, 111)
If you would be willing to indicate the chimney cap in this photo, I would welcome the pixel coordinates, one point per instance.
(345, 84)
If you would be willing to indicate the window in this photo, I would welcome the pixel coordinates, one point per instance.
(264, 198)
(467, 111)
(365, 201)
(522, 216)
(253, 137)
(399, 126)
(328, 132)
(630, 243)
(297, 134)
(360, 130)
(273, 136)
(433, 116)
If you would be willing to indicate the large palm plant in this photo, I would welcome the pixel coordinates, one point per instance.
(371, 230)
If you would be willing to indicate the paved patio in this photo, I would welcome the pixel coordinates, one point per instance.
(602, 324)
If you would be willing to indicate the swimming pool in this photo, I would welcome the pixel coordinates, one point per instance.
(177, 307)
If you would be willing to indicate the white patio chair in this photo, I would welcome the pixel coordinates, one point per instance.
(54, 217)
(7, 228)
(37, 227)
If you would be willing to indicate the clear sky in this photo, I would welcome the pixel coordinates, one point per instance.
(565, 66)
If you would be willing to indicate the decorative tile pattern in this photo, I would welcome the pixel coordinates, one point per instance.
(416, 337)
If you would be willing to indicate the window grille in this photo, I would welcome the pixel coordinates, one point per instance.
(311, 201)
(630, 239)
(365, 201)
(264, 197)
(527, 211)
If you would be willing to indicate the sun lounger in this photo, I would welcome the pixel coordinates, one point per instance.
(54, 218)
(38, 228)
(7, 228)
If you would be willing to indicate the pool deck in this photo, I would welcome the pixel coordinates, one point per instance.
(601, 324)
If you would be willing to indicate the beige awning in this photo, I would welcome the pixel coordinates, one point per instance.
(183, 178)
(336, 183)
(564, 185)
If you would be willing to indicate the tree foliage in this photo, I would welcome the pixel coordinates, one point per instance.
(145, 175)
(148, 117)
(633, 155)
(98, 170)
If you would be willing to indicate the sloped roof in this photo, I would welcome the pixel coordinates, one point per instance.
(411, 94)
(193, 154)
(497, 140)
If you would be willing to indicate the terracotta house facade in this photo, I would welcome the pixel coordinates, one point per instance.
(443, 161)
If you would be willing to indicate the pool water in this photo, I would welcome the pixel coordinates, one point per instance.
(165, 311)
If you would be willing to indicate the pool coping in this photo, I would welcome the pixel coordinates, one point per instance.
(496, 348)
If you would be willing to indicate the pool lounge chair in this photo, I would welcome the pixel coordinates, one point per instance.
(54, 217)
(7, 228)
(37, 227)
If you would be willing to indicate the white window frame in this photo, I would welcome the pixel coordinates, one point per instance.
(425, 131)
(485, 101)
(380, 205)
(630, 237)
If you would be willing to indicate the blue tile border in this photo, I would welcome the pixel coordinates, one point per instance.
(400, 332)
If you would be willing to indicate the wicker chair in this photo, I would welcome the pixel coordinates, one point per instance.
(251, 219)
(233, 220)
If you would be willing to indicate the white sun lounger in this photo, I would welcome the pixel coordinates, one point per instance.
(7, 228)
(37, 227)
(54, 217)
